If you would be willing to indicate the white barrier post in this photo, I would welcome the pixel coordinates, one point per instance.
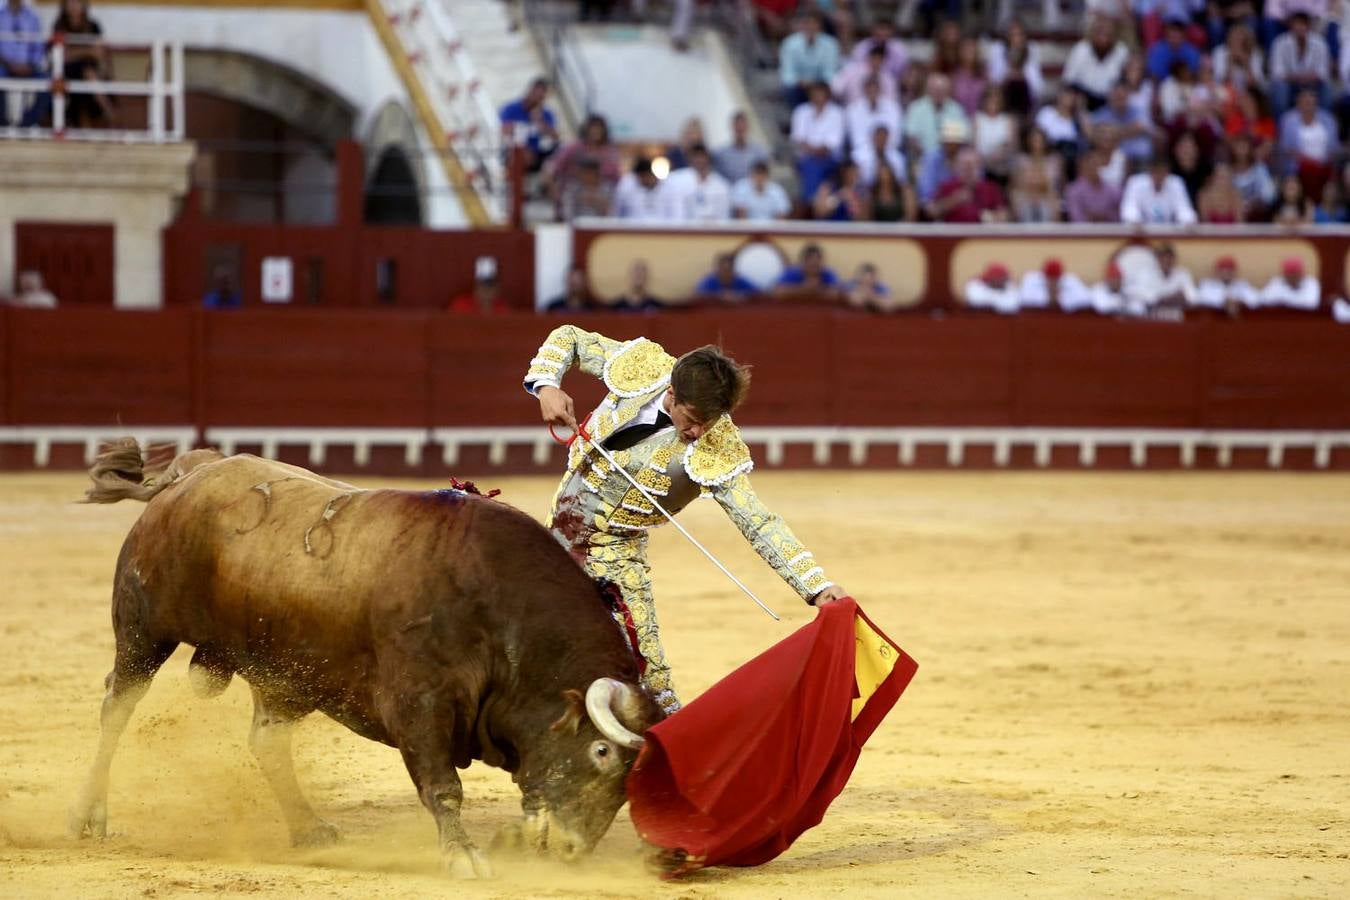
(59, 84)
(157, 91)
(179, 89)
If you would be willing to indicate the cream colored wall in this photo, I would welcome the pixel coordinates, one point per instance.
(136, 188)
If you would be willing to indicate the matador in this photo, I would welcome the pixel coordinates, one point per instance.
(667, 422)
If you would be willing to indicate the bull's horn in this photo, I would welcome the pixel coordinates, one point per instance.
(602, 697)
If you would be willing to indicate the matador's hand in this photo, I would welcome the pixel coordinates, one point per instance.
(829, 595)
(556, 407)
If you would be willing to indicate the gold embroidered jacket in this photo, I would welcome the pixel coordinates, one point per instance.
(594, 502)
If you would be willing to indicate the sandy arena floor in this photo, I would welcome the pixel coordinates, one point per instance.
(1129, 685)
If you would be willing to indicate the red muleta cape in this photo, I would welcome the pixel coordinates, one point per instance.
(736, 776)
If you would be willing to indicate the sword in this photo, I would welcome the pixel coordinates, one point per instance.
(585, 435)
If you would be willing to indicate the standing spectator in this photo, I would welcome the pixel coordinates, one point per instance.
(1089, 198)
(1096, 62)
(733, 161)
(818, 136)
(868, 292)
(1016, 65)
(1239, 63)
(576, 296)
(87, 59)
(869, 112)
(968, 78)
(593, 146)
(1252, 179)
(1331, 208)
(1293, 206)
(1156, 197)
(926, 116)
(638, 194)
(1037, 177)
(486, 297)
(723, 285)
(691, 135)
(1172, 49)
(848, 85)
(1219, 202)
(588, 194)
(995, 135)
(1292, 288)
(223, 293)
(805, 57)
(759, 199)
(939, 164)
(636, 296)
(1051, 287)
(21, 58)
(1299, 59)
(844, 198)
(883, 35)
(993, 290)
(969, 196)
(33, 294)
(810, 280)
(1188, 165)
(1224, 290)
(1308, 142)
(872, 157)
(528, 123)
(893, 200)
(697, 194)
(1134, 128)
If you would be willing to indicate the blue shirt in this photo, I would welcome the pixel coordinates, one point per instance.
(711, 285)
(934, 170)
(1161, 58)
(515, 113)
(793, 275)
(222, 300)
(799, 61)
(25, 21)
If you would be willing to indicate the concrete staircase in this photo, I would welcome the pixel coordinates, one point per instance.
(503, 54)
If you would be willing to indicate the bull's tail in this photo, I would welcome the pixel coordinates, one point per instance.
(122, 472)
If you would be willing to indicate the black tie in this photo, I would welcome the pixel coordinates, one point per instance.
(636, 434)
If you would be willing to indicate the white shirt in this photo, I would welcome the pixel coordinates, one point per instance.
(1057, 126)
(1178, 281)
(687, 198)
(982, 296)
(993, 134)
(823, 129)
(1113, 173)
(1140, 202)
(771, 203)
(1084, 69)
(1212, 293)
(1278, 292)
(637, 203)
(865, 158)
(1034, 292)
(1107, 301)
(862, 119)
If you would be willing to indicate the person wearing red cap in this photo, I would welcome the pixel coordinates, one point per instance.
(1292, 288)
(1225, 290)
(1050, 287)
(993, 290)
(1108, 295)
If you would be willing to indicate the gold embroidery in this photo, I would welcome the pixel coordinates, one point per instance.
(719, 455)
(638, 367)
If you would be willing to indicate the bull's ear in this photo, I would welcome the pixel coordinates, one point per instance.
(571, 717)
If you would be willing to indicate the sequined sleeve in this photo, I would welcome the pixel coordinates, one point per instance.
(565, 347)
(771, 537)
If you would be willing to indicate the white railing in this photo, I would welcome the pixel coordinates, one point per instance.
(164, 89)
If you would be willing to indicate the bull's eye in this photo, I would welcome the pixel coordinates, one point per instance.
(602, 750)
(600, 753)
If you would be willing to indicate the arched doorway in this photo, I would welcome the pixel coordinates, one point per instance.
(392, 193)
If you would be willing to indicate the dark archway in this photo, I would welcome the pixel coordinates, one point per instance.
(392, 194)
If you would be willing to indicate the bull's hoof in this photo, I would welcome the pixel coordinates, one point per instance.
(320, 834)
(668, 863)
(466, 863)
(89, 820)
(510, 838)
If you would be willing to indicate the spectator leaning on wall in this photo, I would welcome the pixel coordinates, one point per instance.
(33, 294)
(1108, 295)
(810, 280)
(867, 291)
(223, 293)
(1051, 287)
(992, 291)
(576, 296)
(1224, 290)
(723, 285)
(636, 296)
(21, 58)
(1292, 288)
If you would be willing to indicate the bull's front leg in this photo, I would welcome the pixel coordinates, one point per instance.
(442, 794)
(531, 832)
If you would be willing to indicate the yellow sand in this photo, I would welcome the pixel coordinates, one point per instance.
(1129, 685)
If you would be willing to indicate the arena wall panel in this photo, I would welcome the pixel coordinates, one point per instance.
(1277, 375)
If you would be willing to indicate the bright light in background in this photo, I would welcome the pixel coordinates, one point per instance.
(661, 167)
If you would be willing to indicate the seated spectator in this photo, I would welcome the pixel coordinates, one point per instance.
(1252, 179)
(1173, 48)
(1239, 63)
(995, 135)
(86, 60)
(883, 35)
(893, 200)
(1108, 295)
(1063, 125)
(697, 193)
(223, 293)
(759, 199)
(969, 196)
(1308, 142)
(22, 58)
(691, 135)
(593, 146)
(528, 123)
(1141, 88)
(877, 152)
(1037, 179)
(926, 116)
(723, 285)
(33, 294)
(1299, 59)
(1089, 198)
(1219, 201)
(805, 57)
(1175, 289)
(939, 164)
(576, 296)
(1114, 166)
(636, 297)
(733, 160)
(1015, 65)
(1051, 287)
(968, 78)
(1134, 127)
(1176, 93)
(810, 280)
(1292, 288)
(774, 17)
(1293, 206)
(818, 136)
(486, 296)
(638, 195)
(1188, 165)
(1330, 209)
(1224, 290)
(588, 194)
(1250, 116)
(993, 291)
(867, 292)
(1156, 197)
(849, 84)
(1096, 62)
(912, 84)
(863, 115)
(843, 198)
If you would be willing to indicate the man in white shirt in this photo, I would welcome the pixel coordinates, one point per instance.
(1224, 290)
(1108, 295)
(993, 291)
(1175, 288)
(879, 151)
(33, 294)
(818, 136)
(696, 193)
(1096, 62)
(849, 83)
(1299, 59)
(757, 198)
(638, 194)
(867, 112)
(1156, 197)
(925, 117)
(1292, 288)
(1050, 287)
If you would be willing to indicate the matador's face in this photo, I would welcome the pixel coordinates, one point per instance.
(685, 418)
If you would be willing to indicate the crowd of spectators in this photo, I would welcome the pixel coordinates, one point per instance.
(25, 55)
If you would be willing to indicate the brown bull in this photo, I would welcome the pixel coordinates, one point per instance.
(444, 624)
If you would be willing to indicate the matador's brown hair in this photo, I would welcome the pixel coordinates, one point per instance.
(709, 381)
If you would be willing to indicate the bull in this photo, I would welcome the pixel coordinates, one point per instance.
(443, 623)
